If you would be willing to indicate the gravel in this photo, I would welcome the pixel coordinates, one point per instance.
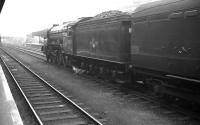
(117, 110)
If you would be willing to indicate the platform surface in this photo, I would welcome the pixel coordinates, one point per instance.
(9, 114)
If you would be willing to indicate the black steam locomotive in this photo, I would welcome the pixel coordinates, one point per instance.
(157, 46)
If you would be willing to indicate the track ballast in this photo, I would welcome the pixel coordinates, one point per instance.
(48, 104)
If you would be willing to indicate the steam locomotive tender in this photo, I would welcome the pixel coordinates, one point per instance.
(99, 45)
(157, 46)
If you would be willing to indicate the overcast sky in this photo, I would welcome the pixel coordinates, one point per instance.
(20, 17)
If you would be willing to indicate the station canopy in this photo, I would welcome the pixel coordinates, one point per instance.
(41, 33)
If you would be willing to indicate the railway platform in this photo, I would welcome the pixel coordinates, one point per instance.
(9, 114)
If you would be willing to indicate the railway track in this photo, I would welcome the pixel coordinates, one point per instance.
(47, 103)
(32, 51)
(150, 102)
(33, 48)
(157, 104)
(36, 54)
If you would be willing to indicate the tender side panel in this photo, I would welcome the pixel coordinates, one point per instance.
(104, 41)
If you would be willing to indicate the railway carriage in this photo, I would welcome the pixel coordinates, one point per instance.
(165, 44)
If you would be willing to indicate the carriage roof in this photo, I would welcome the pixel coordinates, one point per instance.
(165, 6)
